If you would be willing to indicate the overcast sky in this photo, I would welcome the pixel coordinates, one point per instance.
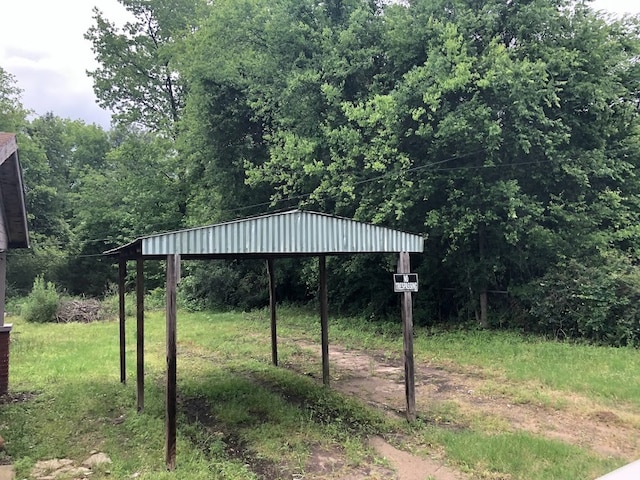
(42, 45)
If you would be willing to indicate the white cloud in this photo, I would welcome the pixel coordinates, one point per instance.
(619, 7)
(42, 44)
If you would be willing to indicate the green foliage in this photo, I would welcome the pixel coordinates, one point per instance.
(111, 302)
(24, 266)
(12, 113)
(136, 77)
(597, 300)
(473, 127)
(41, 304)
(507, 133)
(224, 285)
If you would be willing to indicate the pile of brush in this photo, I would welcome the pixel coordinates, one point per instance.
(83, 310)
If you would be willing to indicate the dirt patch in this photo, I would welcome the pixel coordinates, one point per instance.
(379, 380)
(324, 463)
(17, 397)
(606, 417)
(330, 463)
(412, 467)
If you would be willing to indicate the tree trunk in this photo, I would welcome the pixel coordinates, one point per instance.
(484, 300)
(484, 307)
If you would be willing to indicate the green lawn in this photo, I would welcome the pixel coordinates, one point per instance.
(240, 417)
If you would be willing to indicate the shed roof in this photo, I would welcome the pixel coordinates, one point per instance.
(12, 193)
(285, 234)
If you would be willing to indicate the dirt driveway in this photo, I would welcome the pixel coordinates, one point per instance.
(378, 380)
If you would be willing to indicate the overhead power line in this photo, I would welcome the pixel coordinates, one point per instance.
(434, 166)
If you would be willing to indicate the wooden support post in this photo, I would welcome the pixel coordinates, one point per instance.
(5, 341)
(171, 387)
(5, 329)
(272, 305)
(324, 320)
(3, 285)
(140, 334)
(122, 274)
(404, 266)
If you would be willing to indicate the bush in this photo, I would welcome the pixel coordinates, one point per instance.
(42, 303)
(111, 302)
(225, 285)
(597, 299)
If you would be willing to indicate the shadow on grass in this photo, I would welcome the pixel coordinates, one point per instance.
(245, 413)
(215, 438)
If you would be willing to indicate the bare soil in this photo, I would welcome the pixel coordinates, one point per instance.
(409, 466)
(378, 379)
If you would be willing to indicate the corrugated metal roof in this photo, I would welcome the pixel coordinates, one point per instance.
(294, 232)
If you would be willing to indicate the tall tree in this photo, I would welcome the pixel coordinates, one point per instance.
(12, 113)
(505, 130)
(257, 71)
(137, 78)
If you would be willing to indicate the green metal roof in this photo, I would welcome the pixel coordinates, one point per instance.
(292, 233)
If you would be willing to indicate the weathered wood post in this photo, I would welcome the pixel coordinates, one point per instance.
(3, 284)
(140, 333)
(122, 274)
(404, 266)
(324, 319)
(171, 387)
(272, 308)
(5, 329)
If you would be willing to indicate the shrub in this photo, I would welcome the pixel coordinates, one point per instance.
(42, 303)
(225, 285)
(111, 303)
(597, 300)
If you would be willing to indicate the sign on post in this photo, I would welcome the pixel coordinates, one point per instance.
(405, 282)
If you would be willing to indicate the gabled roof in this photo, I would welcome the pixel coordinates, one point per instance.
(12, 193)
(286, 234)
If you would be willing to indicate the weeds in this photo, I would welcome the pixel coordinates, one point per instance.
(42, 303)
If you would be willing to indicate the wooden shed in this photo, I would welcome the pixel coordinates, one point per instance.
(293, 233)
(13, 234)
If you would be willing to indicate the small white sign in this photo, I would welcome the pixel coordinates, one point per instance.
(405, 282)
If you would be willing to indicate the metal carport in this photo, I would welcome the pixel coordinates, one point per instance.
(288, 234)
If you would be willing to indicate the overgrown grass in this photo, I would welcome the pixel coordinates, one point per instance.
(239, 415)
(606, 373)
(519, 455)
(231, 401)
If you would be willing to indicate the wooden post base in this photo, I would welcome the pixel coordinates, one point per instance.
(5, 340)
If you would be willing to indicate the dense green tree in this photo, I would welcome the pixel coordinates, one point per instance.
(12, 113)
(45, 256)
(133, 193)
(504, 130)
(139, 81)
(136, 78)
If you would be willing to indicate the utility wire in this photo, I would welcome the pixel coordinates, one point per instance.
(302, 196)
(389, 174)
